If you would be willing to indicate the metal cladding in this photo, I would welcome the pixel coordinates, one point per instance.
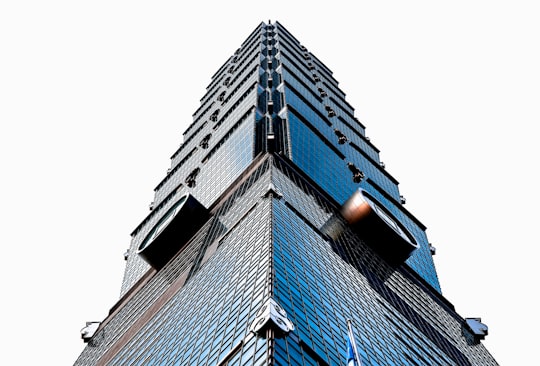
(89, 330)
(381, 230)
(478, 329)
(273, 315)
(172, 232)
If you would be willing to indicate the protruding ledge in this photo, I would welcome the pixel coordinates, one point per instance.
(378, 227)
(89, 330)
(173, 231)
(478, 329)
(271, 315)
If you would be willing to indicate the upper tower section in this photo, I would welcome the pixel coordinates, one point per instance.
(273, 96)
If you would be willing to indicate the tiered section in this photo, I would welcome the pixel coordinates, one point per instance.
(264, 244)
(218, 145)
(328, 143)
(275, 224)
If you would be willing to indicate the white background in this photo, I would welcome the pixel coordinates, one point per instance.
(94, 97)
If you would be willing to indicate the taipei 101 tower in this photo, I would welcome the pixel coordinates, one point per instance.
(277, 237)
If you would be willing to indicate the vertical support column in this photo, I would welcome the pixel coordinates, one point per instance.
(270, 347)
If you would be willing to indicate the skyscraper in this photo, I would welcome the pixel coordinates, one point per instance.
(275, 229)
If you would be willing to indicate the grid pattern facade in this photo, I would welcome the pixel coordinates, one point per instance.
(322, 283)
(325, 137)
(218, 145)
(258, 246)
(225, 278)
(269, 154)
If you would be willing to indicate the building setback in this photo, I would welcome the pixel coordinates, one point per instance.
(276, 233)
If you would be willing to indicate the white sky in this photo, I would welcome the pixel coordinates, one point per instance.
(94, 97)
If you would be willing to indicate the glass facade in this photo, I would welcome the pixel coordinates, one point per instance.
(315, 111)
(273, 153)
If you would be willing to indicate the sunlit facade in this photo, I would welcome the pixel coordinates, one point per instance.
(276, 224)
